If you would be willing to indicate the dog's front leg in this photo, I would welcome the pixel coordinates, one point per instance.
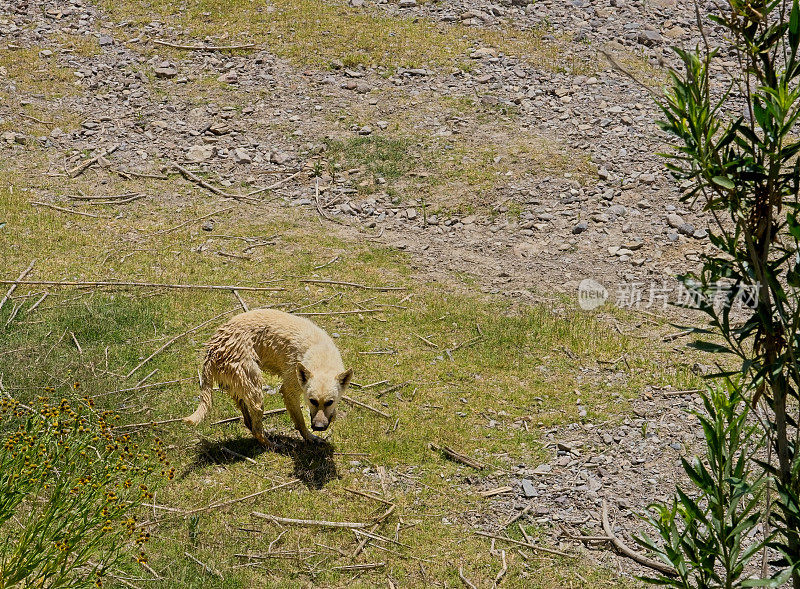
(293, 402)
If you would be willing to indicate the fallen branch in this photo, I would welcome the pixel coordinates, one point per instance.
(16, 283)
(203, 47)
(365, 406)
(200, 182)
(623, 549)
(219, 212)
(40, 121)
(353, 284)
(526, 544)
(66, 210)
(310, 522)
(503, 570)
(359, 567)
(207, 568)
(673, 336)
(78, 170)
(149, 423)
(464, 579)
(496, 491)
(103, 283)
(277, 184)
(174, 339)
(457, 456)
(357, 312)
(368, 496)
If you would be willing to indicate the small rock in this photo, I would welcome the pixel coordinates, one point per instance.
(229, 78)
(166, 69)
(580, 227)
(674, 220)
(484, 52)
(242, 156)
(700, 234)
(407, 3)
(686, 229)
(208, 225)
(199, 153)
(528, 489)
(280, 158)
(105, 41)
(542, 469)
(365, 130)
(411, 213)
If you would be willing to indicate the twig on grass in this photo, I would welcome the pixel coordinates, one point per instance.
(207, 568)
(75, 341)
(359, 567)
(277, 184)
(191, 176)
(368, 496)
(219, 212)
(526, 544)
(365, 406)
(110, 283)
(204, 47)
(624, 550)
(67, 210)
(79, 169)
(240, 299)
(457, 456)
(40, 121)
(174, 339)
(464, 580)
(503, 570)
(309, 522)
(352, 284)
(15, 283)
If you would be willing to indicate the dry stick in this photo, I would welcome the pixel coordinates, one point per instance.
(457, 456)
(368, 496)
(526, 544)
(113, 197)
(519, 515)
(14, 312)
(174, 339)
(203, 47)
(140, 387)
(503, 570)
(103, 283)
(234, 453)
(353, 284)
(277, 184)
(673, 336)
(357, 312)
(623, 549)
(427, 341)
(139, 174)
(241, 300)
(15, 283)
(309, 522)
(77, 345)
(150, 423)
(207, 568)
(222, 504)
(26, 116)
(116, 201)
(464, 579)
(200, 182)
(37, 303)
(680, 393)
(219, 212)
(359, 567)
(365, 406)
(78, 170)
(374, 536)
(66, 210)
(392, 388)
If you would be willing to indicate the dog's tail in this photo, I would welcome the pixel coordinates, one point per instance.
(205, 395)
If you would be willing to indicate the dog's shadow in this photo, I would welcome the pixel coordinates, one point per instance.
(313, 462)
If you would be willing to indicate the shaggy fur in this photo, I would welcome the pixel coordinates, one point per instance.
(291, 347)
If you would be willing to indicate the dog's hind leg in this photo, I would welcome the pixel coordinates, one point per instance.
(251, 401)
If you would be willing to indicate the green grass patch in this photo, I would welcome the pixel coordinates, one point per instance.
(317, 34)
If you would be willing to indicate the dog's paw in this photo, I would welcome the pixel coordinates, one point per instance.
(312, 439)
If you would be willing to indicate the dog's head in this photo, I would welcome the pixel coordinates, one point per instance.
(322, 393)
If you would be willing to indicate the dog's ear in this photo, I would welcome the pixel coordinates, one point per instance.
(302, 374)
(344, 378)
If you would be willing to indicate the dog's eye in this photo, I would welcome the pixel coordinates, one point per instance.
(329, 403)
(314, 402)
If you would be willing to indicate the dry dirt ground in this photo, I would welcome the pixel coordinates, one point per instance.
(523, 167)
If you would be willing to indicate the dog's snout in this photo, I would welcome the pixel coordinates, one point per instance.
(319, 422)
